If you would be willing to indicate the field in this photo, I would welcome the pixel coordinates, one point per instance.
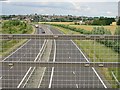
(65, 23)
(90, 27)
(86, 27)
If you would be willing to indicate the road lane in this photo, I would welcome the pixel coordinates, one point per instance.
(11, 76)
(70, 77)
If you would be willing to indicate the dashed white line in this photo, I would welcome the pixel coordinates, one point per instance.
(92, 67)
(1, 77)
(41, 78)
(11, 67)
(73, 72)
(31, 67)
(77, 85)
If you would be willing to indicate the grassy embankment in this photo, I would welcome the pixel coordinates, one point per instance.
(13, 27)
(86, 27)
(65, 23)
(97, 53)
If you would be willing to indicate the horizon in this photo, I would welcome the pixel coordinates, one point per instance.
(60, 15)
(89, 9)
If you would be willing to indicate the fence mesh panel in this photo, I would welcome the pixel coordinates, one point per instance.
(39, 48)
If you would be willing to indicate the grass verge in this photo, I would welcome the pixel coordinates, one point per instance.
(97, 53)
(11, 45)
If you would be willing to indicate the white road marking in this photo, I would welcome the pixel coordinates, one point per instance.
(99, 77)
(11, 67)
(92, 67)
(73, 72)
(24, 77)
(43, 72)
(1, 77)
(39, 54)
(31, 67)
(51, 77)
(40, 51)
(50, 83)
(43, 49)
(24, 55)
(77, 85)
(41, 78)
(15, 51)
(29, 77)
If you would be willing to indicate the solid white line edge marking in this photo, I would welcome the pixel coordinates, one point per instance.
(24, 77)
(52, 67)
(31, 67)
(15, 50)
(92, 67)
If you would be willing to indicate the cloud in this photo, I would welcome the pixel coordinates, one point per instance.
(80, 6)
(76, 5)
(3, 0)
(61, 8)
(108, 12)
(64, 0)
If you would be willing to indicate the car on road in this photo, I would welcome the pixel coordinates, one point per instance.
(36, 26)
(43, 32)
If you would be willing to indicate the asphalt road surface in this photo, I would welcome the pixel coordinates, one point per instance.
(12, 76)
(70, 77)
(55, 77)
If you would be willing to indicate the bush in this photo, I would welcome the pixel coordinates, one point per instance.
(82, 31)
(117, 31)
(100, 31)
(114, 44)
(15, 27)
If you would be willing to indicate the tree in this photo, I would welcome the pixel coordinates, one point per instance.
(103, 21)
(118, 23)
(117, 31)
(100, 31)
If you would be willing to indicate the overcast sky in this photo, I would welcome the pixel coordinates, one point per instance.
(61, 7)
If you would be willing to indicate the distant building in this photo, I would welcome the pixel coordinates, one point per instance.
(113, 24)
(78, 22)
(14, 18)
